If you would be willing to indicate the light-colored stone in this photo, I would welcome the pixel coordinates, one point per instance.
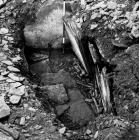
(5, 73)
(17, 91)
(2, 56)
(5, 137)
(22, 121)
(15, 85)
(4, 108)
(135, 31)
(14, 99)
(93, 26)
(15, 77)
(5, 47)
(7, 62)
(112, 5)
(10, 38)
(2, 78)
(99, 5)
(10, 80)
(95, 15)
(13, 69)
(32, 109)
(16, 59)
(4, 31)
(88, 132)
(62, 130)
(1, 2)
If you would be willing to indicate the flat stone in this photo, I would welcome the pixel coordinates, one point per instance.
(1, 2)
(95, 15)
(5, 73)
(75, 95)
(10, 80)
(4, 31)
(15, 85)
(111, 5)
(93, 26)
(16, 59)
(13, 69)
(4, 108)
(4, 42)
(60, 109)
(15, 77)
(7, 62)
(2, 56)
(2, 78)
(61, 77)
(57, 93)
(5, 137)
(18, 91)
(99, 5)
(14, 99)
(5, 47)
(77, 115)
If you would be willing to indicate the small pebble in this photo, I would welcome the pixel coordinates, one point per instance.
(62, 130)
(4, 31)
(88, 132)
(22, 121)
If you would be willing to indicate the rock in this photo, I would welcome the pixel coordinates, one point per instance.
(5, 73)
(52, 129)
(13, 69)
(4, 31)
(22, 121)
(96, 135)
(10, 80)
(62, 130)
(75, 95)
(16, 59)
(7, 62)
(2, 56)
(5, 137)
(15, 77)
(99, 5)
(111, 5)
(57, 93)
(93, 26)
(1, 2)
(9, 38)
(5, 47)
(38, 57)
(15, 85)
(88, 132)
(4, 108)
(95, 15)
(48, 27)
(61, 77)
(18, 91)
(135, 31)
(60, 109)
(77, 115)
(14, 99)
(2, 78)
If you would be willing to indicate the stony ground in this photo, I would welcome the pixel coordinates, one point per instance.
(22, 114)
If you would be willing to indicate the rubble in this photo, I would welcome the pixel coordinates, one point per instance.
(4, 108)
